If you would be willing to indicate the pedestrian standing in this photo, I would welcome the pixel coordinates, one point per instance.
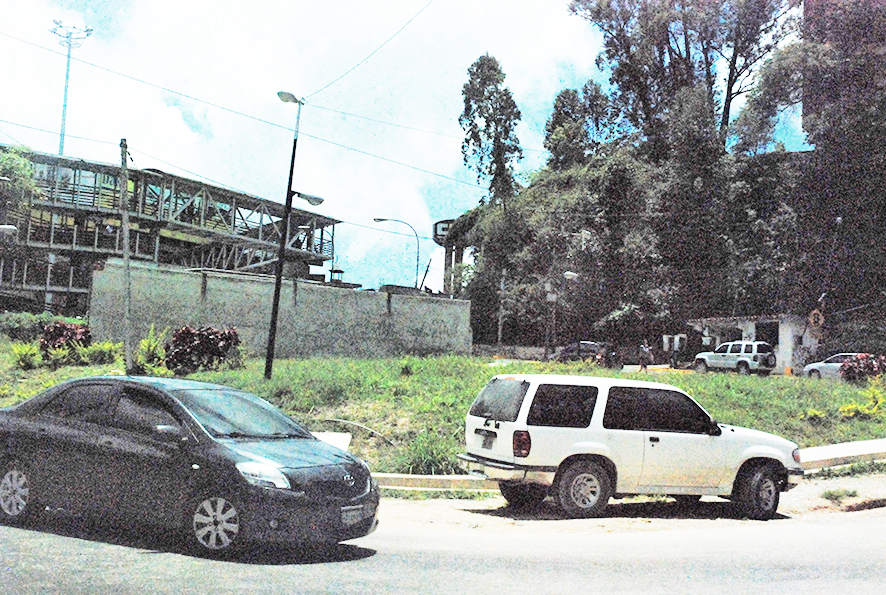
(645, 355)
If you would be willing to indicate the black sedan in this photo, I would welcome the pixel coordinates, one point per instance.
(223, 465)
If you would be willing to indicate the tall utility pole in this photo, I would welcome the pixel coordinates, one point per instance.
(72, 37)
(127, 279)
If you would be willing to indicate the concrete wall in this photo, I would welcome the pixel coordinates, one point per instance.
(314, 319)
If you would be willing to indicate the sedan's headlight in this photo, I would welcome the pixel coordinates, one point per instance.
(263, 475)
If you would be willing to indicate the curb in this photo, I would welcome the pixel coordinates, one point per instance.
(813, 459)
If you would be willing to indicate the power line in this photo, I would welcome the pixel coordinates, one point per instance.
(373, 53)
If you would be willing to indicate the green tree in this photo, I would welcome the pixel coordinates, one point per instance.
(578, 127)
(655, 48)
(489, 120)
(18, 169)
(835, 70)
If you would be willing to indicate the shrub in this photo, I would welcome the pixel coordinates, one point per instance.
(201, 349)
(57, 357)
(64, 335)
(150, 355)
(96, 354)
(863, 366)
(876, 405)
(24, 327)
(27, 355)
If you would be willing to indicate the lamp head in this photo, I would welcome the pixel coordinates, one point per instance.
(289, 98)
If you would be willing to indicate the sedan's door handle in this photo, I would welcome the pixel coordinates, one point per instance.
(653, 438)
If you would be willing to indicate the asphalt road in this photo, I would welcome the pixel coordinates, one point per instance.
(479, 547)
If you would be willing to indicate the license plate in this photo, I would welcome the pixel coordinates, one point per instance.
(487, 441)
(351, 514)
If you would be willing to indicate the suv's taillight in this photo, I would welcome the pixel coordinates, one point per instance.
(522, 443)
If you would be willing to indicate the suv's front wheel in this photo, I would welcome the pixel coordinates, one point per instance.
(757, 492)
(584, 489)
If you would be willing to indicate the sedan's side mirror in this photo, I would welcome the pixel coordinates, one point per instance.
(715, 428)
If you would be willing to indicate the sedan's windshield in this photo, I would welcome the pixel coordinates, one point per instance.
(227, 413)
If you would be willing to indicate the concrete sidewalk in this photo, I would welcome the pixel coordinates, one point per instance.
(813, 459)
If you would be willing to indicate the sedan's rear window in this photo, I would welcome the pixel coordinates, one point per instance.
(500, 399)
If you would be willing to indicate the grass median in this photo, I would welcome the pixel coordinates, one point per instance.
(406, 414)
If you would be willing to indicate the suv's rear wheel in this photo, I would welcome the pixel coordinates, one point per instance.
(584, 489)
(743, 369)
(757, 492)
(522, 495)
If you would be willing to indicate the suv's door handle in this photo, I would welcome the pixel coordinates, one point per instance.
(653, 438)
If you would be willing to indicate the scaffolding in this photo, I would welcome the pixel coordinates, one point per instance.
(73, 223)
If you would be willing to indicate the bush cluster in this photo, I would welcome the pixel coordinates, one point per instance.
(862, 367)
(25, 327)
(201, 349)
(64, 335)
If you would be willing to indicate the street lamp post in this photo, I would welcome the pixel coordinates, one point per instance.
(284, 235)
(417, 261)
(71, 37)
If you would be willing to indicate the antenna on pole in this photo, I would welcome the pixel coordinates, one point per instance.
(71, 37)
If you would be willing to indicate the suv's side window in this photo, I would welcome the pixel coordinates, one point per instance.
(722, 348)
(561, 405)
(675, 412)
(631, 408)
(736, 348)
(749, 348)
(625, 409)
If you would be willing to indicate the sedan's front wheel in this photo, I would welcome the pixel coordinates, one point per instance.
(216, 524)
(16, 494)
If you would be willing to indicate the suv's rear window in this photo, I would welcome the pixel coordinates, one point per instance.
(764, 348)
(500, 400)
(561, 405)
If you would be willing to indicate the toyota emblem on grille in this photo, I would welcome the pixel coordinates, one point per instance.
(348, 479)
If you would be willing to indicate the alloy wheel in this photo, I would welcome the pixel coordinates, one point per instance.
(14, 492)
(216, 523)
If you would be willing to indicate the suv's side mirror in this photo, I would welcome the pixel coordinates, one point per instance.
(714, 429)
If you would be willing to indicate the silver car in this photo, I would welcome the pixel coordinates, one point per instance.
(829, 368)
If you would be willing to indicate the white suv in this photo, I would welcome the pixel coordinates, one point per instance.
(585, 439)
(742, 356)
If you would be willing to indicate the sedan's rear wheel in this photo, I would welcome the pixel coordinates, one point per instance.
(16, 494)
(815, 374)
(216, 524)
(584, 489)
(700, 367)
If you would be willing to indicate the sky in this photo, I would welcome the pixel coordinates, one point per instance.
(192, 86)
